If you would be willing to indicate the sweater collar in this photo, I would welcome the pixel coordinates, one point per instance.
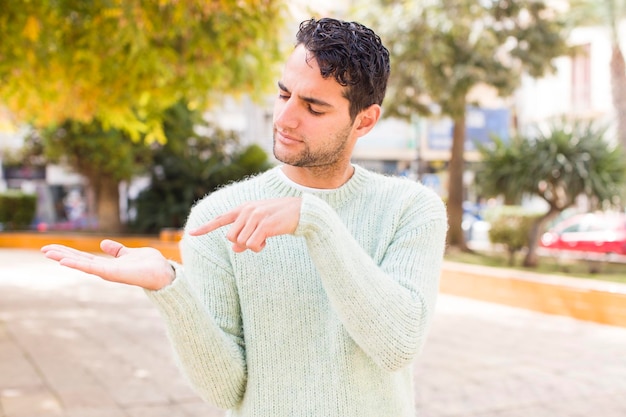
(278, 181)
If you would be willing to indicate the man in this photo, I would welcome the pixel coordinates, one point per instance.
(306, 290)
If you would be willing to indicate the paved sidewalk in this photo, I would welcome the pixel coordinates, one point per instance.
(74, 346)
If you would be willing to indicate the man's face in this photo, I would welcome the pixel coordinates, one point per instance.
(312, 125)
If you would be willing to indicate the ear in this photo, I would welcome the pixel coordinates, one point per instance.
(367, 119)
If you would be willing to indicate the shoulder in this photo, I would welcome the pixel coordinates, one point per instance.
(402, 191)
(404, 201)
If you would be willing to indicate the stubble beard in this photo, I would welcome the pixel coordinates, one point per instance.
(326, 157)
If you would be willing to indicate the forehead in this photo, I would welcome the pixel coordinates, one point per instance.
(301, 75)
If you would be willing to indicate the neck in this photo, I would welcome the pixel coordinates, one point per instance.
(319, 177)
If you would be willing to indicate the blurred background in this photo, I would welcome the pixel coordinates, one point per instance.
(116, 116)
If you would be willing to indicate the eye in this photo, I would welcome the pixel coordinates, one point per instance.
(315, 113)
(283, 96)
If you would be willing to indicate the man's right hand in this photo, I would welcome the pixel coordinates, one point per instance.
(144, 267)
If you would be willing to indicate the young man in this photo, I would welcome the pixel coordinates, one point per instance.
(306, 290)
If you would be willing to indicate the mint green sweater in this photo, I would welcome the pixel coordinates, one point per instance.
(322, 323)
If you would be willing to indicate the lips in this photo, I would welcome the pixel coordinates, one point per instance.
(286, 138)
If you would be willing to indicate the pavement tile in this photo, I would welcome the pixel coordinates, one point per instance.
(201, 409)
(99, 412)
(156, 411)
(484, 360)
(36, 401)
(18, 371)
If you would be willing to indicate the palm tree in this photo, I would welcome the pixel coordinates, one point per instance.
(558, 164)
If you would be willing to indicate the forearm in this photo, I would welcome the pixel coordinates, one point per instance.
(385, 308)
(210, 358)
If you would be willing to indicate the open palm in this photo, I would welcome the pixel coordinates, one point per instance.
(144, 267)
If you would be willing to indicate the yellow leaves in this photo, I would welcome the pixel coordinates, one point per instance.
(123, 118)
(193, 105)
(112, 13)
(144, 99)
(123, 62)
(7, 124)
(32, 29)
(155, 132)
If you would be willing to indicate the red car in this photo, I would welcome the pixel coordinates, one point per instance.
(588, 232)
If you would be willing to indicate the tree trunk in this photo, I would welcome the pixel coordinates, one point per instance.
(512, 253)
(618, 90)
(456, 167)
(531, 260)
(107, 196)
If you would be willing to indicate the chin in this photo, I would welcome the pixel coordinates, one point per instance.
(283, 155)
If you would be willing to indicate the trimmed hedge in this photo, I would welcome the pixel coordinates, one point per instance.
(17, 210)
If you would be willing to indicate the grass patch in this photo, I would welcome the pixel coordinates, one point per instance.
(574, 268)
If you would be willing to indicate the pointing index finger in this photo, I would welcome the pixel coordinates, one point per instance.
(214, 224)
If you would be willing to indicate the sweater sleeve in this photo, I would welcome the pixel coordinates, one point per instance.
(386, 308)
(201, 313)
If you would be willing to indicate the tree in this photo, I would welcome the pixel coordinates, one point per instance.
(105, 157)
(558, 164)
(98, 76)
(441, 50)
(607, 13)
(196, 161)
(122, 63)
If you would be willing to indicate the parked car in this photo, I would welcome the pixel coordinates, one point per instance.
(588, 232)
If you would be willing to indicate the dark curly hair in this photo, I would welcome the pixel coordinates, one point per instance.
(351, 53)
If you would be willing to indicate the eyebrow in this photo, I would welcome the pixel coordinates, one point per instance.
(310, 100)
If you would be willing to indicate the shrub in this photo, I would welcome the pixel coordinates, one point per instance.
(17, 210)
(510, 227)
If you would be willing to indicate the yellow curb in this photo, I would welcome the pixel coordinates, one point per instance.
(579, 298)
(168, 246)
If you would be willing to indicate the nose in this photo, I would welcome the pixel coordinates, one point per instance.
(285, 113)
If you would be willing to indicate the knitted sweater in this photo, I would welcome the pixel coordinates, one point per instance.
(325, 322)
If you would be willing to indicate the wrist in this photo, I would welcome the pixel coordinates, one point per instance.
(166, 277)
(172, 274)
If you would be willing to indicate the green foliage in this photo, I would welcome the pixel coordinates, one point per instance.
(510, 227)
(557, 163)
(576, 159)
(17, 210)
(123, 62)
(105, 157)
(498, 173)
(574, 268)
(31, 153)
(93, 150)
(441, 50)
(197, 159)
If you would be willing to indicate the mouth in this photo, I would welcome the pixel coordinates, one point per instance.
(285, 138)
